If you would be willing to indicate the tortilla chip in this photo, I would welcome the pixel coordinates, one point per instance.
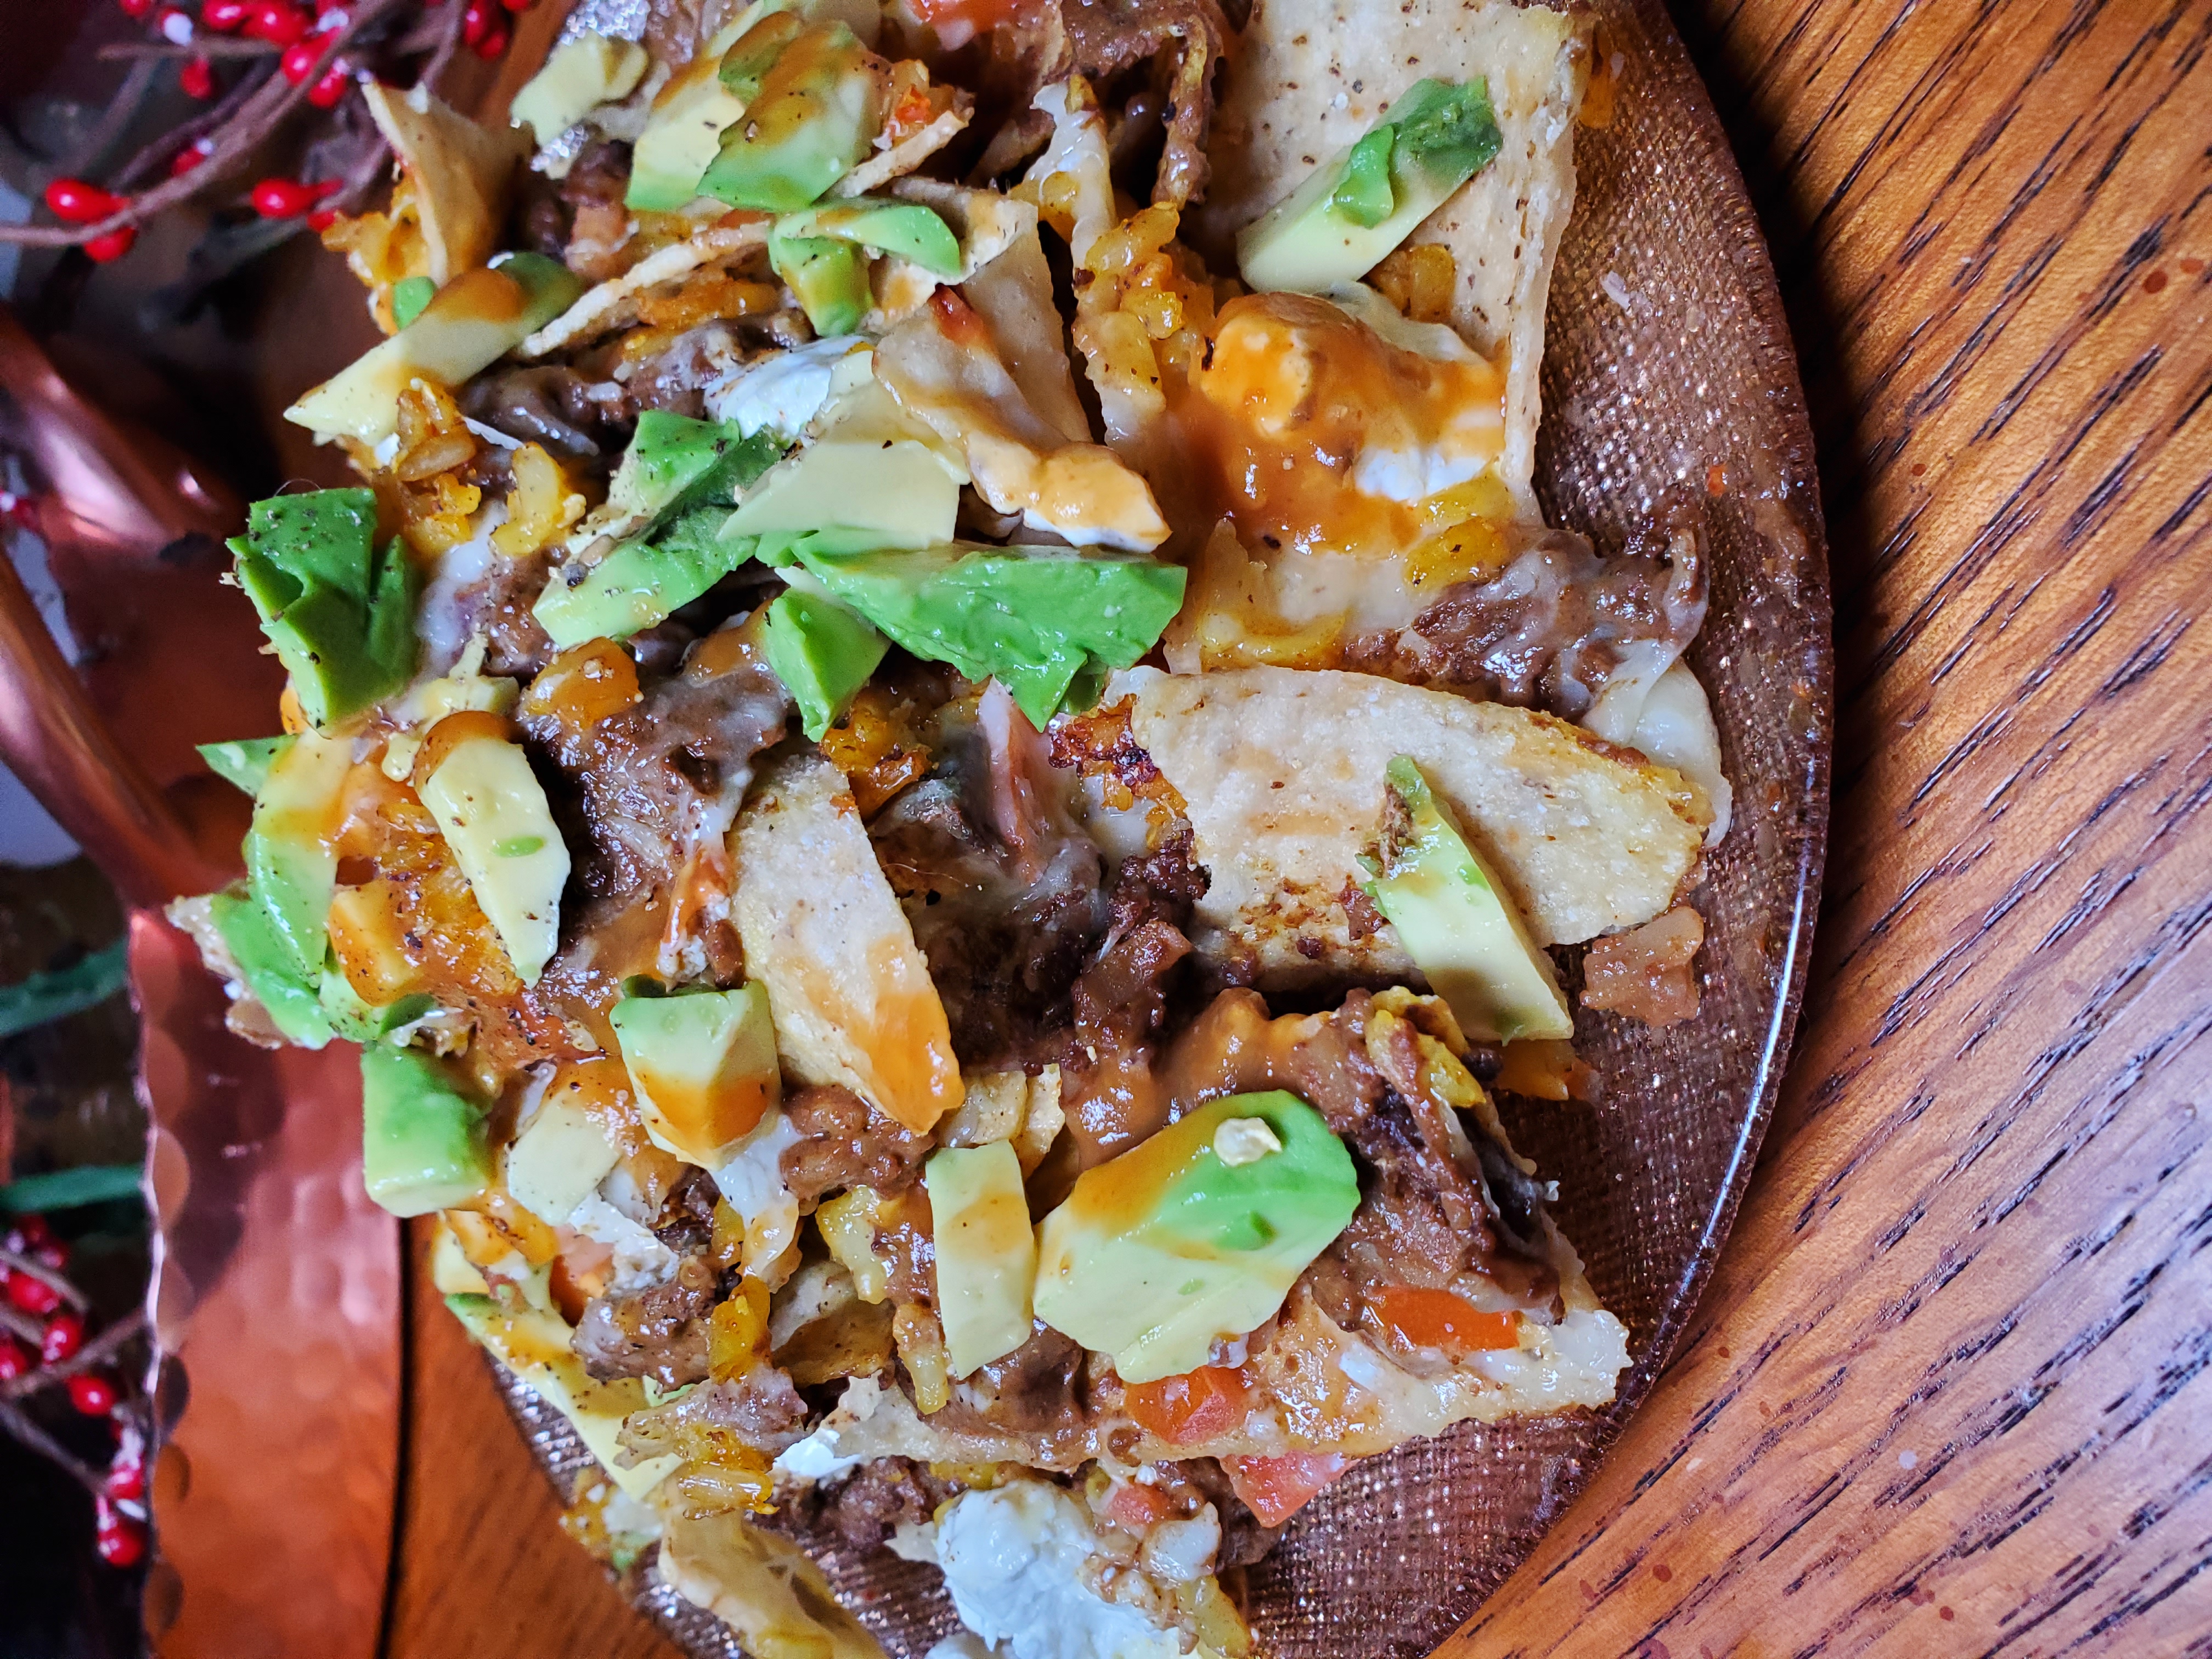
(1281, 772)
(909, 153)
(613, 304)
(462, 173)
(1304, 82)
(762, 1586)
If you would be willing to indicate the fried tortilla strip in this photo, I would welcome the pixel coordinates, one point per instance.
(613, 304)
(1305, 82)
(1282, 774)
(852, 997)
(762, 1586)
(462, 173)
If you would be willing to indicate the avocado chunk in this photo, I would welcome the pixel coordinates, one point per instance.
(704, 1065)
(823, 652)
(639, 584)
(359, 1021)
(1036, 620)
(905, 228)
(818, 111)
(491, 810)
(1456, 922)
(579, 75)
(1174, 1246)
(470, 324)
(675, 464)
(1354, 208)
(291, 859)
(986, 1253)
(682, 133)
(423, 1145)
(408, 296)
(877, 492)
(745, 65)
(264, 963)
(558, 1160)
(829, 278)
(244, 760)
(533, 1344)
(340, 613)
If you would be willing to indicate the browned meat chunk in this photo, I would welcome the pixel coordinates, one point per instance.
(1187, 39)
(660, 1332)
(845, 1142)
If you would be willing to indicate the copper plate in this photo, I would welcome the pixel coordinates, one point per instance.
(1668, 368)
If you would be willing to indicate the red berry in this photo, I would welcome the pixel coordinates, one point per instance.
(476, 22)
(327, 92)
(516, 5)
(299, 58)
(31, 1230)
(33, 1296)
(15, 1359)
(492, 44)
(322, 219)
(275, 22)
(136, 7)
(76, 203)
(198, 78)
(224, 15)
(111, 246)
(119, 1539)
(190, 156)
(53, 1252)
(126, 1475)
(175, 25)
(92, 1393)
(281, 198)
(64, 1336)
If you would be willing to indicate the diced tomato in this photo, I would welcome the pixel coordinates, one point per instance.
(1196, 1406)
(1136, 1506)
(1276, 1488)
(975, 17)
(1437, 1319)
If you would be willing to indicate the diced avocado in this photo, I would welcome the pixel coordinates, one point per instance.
(358, 1021)
(684, 132)
(674, 464)
(244, 760)
(829, 279)
(905, 228)
(704, 1063)
(265, 962)
(745, 65)
(986, 1252)
(472, 322)
(579, 75)
(1456, 922)
(877, 492)
(291, 859)
(491, 808)
(819, 108)
(1337, 226)
(1034, 621)
(423, 1145)
(823, 652)
(639, 583)
(558, 1160)
(534, 1347)
(1168, 1248)
(340, 613)
(408, 296)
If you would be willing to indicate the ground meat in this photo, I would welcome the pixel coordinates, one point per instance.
(1550, 631)
(761, 1408)
(1187, 39)
(1039, 1386)
(876, 1498)
(598, 223)
(846, 1142)
(662, 781)
(660, 1332)
(686, 1223)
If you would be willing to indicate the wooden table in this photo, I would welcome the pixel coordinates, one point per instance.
(1951, 1391)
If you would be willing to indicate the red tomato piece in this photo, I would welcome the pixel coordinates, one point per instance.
(1196, 1406)
(1276, 1488)
(1437, 1319)
(1135, 1506)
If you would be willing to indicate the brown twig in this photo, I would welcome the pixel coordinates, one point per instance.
(15, 1262)
(256, 119)
(22, 1326)
(95, 1352)
(156, 157)
(215, 46)
(18, 1424)
(448, 41)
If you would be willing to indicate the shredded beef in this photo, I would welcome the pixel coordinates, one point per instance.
(760, 1408)
(846, 1142)
(497, 605)
(660, 1332)
(552, 405)
(1039, 1386)
(1187, 37)
(1551, 628)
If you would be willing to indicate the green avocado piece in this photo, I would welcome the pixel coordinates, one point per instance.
(408, 296)
(829, 278)
(986, 1252)
(291, 865)
(360, 1022)
(266, 962)
(472, 323)
(1338, 224)
(905, 228)
(340, 613)
(640, 583)
(244, 760)
(682, 135)
(745, 65)
(492, 812)
(823, 652)
(674, 464)
(1456, 922)
(423, 1142)
(1034, 620)
(704, 1063)
(1162, 1251)
(818, 112)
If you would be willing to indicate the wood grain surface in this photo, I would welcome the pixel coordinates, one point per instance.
(1951, 1390)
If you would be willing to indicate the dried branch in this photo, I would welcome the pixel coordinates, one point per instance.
(156, 157)
(97, 1351)
(15, 1262)
(19, 1424)
(205, 47)
(22, 1326)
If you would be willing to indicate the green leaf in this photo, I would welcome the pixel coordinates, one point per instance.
(244, 761)
(46, 997)
(71, 1189)
(1364, 194)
